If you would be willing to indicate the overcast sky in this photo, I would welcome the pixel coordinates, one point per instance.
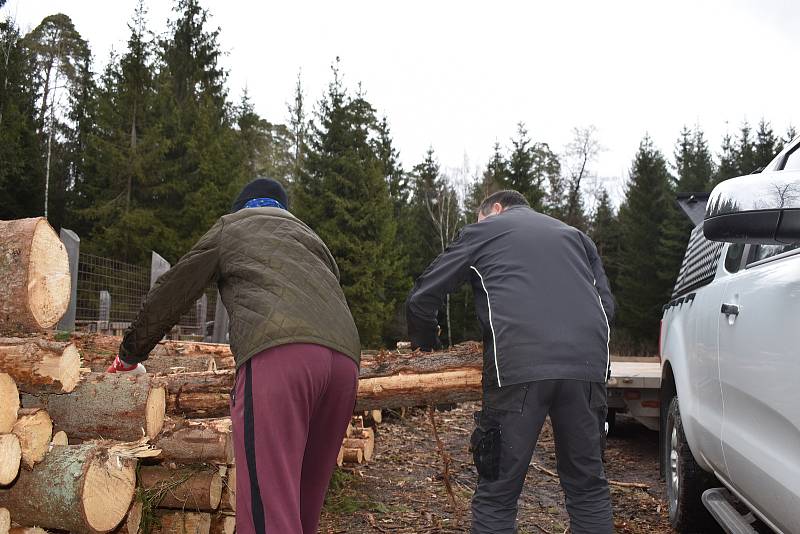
(459, 75)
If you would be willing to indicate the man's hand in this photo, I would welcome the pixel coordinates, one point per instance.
(121, 367)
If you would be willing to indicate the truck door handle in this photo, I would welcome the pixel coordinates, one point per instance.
(730, 309)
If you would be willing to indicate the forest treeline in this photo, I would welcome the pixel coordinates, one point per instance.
(146, 153)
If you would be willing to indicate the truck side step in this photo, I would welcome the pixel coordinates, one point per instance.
(718, 503)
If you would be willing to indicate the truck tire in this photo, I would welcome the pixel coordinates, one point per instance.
(686, 481)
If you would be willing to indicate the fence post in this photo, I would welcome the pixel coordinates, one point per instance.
(201, 311)
(73, 244)
(221, 322)
(104, 315)
(158, 266)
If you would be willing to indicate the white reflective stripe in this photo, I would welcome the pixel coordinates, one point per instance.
(608, 331)
(491, 325)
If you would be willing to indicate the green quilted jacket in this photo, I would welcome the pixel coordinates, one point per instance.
(277, 279)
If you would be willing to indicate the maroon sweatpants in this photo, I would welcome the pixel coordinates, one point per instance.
(290, 409)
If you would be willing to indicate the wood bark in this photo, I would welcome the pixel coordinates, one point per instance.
(190, 441)
(183, 522)
(167, 357)
(27, 530)
(450, 386)
(10, 458)
(9, 403)
(228, 501)
(106, 406)
(39, 365)
(78, 488)
(34, 428)
(198, 395)
(223, 524)
(196, 489)
(34, 268)
(5, 521)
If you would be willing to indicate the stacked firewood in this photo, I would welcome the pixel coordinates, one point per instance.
(71, 435)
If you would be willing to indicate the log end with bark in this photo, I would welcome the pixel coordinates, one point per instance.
(60, 439)
(34, 267)
(223, 524)
(183, 522)
(9, 403)
(228, 500)
(196, 440)
(10, 458)
(34, 428)
(40, 365)
(5, 521)
(106, 406)
(78, 488)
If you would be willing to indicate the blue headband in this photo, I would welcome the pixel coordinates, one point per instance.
(264, 203)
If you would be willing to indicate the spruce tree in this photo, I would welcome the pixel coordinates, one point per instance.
(605, 232)
(203, 167)
(21, 163)
(746, 161)
(343, 195)
(641, 291)
(493, 179)
(728, 166)
(523, 173)
(767, 144)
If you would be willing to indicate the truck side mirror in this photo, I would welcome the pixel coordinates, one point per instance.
(757, 209)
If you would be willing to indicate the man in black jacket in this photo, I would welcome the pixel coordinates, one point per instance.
(544, 307)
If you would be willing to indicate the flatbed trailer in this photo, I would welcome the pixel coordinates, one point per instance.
(634, 388)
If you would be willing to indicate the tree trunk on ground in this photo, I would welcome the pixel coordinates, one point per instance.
(78, 488)
(40, 366)
(194, 489)
(9, 403)
(106, 406)
(133, 520)
(5, 521)
(196, 440)
(27, 530)
(34, 430)
(198, 395)
(451, 386)
(10, 458)
(228, 501)
(183, 523)
(223, 524)
(34, 268)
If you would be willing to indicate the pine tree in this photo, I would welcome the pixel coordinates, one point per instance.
(298, 126)
(21, 164)
(60, 61)
(494, 178)
(767, 144)
(605, 232)
(343, 196)
(116, 205)
(694, 164)
(641, 292)
(746, 161)
(523, 173)
(203, 165)
(728, 166)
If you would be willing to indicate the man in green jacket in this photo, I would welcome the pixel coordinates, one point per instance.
(296, 347)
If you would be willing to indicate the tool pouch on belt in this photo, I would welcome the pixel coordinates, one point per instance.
(485, 446)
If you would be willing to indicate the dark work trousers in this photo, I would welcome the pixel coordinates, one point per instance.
(290, 408)
(508, 427)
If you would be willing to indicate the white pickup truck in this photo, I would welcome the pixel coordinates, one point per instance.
(730, 350)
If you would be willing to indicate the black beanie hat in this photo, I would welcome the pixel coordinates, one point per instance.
(261, 188)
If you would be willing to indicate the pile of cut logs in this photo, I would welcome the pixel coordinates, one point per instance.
(71, 435)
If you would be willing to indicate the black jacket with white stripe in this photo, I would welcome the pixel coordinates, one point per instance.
(541, 296)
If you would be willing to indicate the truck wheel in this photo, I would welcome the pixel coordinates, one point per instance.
(611, 419)
(686, 481)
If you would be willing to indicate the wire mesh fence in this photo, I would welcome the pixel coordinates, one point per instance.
(110, 294)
